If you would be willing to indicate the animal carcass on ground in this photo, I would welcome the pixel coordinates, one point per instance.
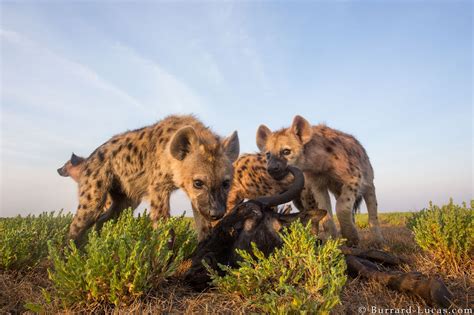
(255, 221)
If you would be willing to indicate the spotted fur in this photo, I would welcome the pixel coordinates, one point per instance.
(150, 163)
(330, 160)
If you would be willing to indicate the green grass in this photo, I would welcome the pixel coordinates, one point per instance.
(300, 277)
(24, 240)
(122, 262)
(447, 233)
(391, 218)
(128, 259)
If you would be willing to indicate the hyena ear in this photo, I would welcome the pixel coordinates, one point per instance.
(183, 142)
(232, 146)
(302, 129)
(262, 136)
(76, 160)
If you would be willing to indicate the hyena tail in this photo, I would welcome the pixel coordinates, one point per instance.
(356, 208)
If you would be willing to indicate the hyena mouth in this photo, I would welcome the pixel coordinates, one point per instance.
(62, 172)
(280, 174)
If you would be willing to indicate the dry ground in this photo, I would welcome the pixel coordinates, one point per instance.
(16, 288)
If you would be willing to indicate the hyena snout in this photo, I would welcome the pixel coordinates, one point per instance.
(63, 172)
(217, 212)
(277, 168)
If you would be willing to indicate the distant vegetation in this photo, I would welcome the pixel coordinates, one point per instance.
(24, 240)
(391, 218)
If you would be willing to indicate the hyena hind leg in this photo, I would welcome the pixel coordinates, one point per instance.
(120, 202)
(321, 195)
(371, 202)
(92, 197)
(159, 203)
(344, 205)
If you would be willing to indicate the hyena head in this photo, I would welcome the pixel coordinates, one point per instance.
(72, 167)
(284, 146)
(203, 168)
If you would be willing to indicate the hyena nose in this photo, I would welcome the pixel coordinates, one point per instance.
(273, 169)
(218, 213)
(61, 171)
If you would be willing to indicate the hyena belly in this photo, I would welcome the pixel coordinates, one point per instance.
(150, 163)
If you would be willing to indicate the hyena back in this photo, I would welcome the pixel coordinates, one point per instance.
(152, 162)
(331, 160)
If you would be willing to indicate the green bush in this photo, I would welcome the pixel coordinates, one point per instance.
(24, 240)
(122, 262)
(298, 277)
(447, 233)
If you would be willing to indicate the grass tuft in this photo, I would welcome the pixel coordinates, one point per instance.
(121, 263)
(24, 240)
(447, 233)
(298, 277)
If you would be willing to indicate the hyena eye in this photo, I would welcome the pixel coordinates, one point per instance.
(267, 155)
(286, 151)
(198, 184)
(226, 184)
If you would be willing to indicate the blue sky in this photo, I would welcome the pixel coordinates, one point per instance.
(397, 75)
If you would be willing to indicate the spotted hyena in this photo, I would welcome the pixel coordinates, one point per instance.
(251, 180)
(330, 160)
(73, 168)
(152, 162)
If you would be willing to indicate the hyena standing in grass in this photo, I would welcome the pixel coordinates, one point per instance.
(152, 162)
(330, 160)
(251, 180)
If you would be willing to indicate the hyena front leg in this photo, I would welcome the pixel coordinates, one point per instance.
(323, 199)
(92, 197)
(371, 202)
(344, 205)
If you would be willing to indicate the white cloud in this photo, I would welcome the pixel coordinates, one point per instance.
(159, 90)
(45, 59)
(52, 105)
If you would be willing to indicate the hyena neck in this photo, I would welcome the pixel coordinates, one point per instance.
(313, 159)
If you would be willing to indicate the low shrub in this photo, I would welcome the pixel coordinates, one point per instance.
(298, 277)
(24, 240)
(122, 262)
(447, 232)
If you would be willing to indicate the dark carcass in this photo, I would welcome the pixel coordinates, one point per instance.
(255, 221)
